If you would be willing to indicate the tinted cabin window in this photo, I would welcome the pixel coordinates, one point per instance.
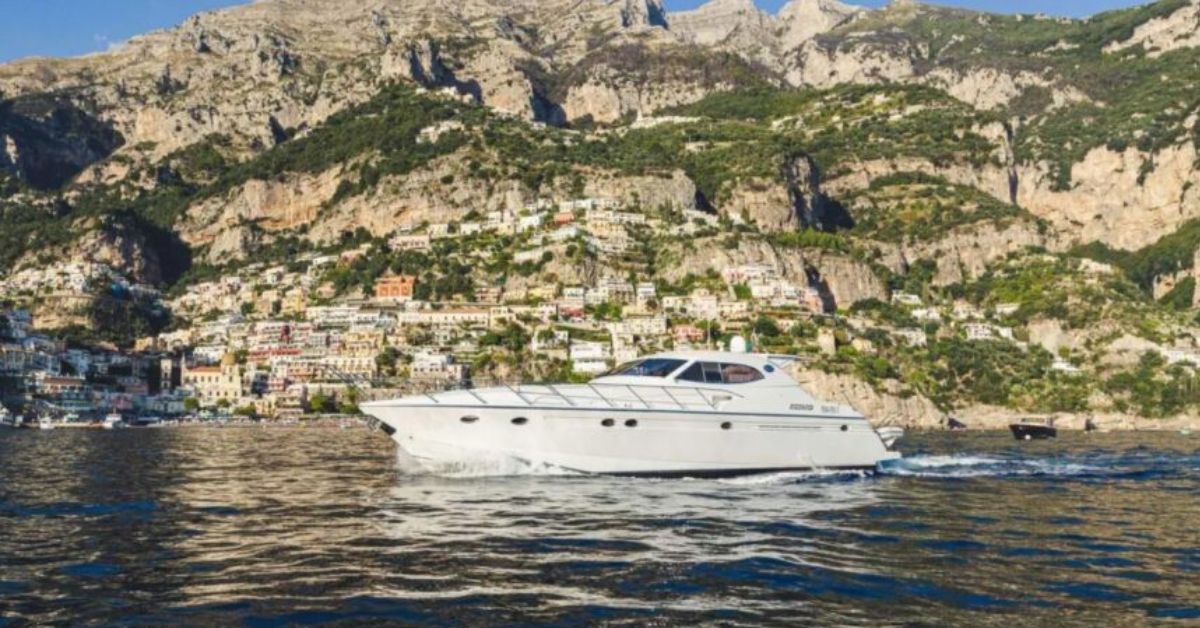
(714, 373)
(653, 367)
(693, 373)
(740, 374)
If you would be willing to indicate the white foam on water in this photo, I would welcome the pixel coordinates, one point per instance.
(972, 466)
(481, 467)
(791, 477)
(927, 466)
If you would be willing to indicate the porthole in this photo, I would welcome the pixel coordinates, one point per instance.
(608, 423)
(520, 421)
(845, 428)
(768, 368)
(469, 419)
(631, 423)
(727, 425)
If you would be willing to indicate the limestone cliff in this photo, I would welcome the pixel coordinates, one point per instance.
(270, 73)
(1180, 29)
(715, 21)
(1125, 199)
(841, 279)
(966, 253)
(885, 407)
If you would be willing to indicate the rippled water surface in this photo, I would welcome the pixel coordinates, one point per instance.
(249, 526)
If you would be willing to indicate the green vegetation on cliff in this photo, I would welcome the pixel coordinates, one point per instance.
(755, 133)
(1079, 94)
(378, 138)
(1170, 254)
(912, 206)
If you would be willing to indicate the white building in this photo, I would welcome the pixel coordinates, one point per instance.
(444, 318)
(645, 291)
(1007, 309)
(748, 273)
(332, 315)
(913, 337)
(436, 366)
(589, 357)
(527, 223)
(1181, 356)
(978, 331)
(573, 297)
(964, 311)
(927, 314)
(531, 256)
(640, 326)
(1063, 366)
(589, 350)
(563, 234)
(417, 242)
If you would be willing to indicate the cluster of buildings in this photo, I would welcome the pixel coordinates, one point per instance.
(268, 340)
(38, 367)
(73, 278)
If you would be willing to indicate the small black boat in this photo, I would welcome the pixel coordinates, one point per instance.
(954, 425)
(1034, 430)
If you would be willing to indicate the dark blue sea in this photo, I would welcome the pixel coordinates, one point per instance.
(266, 527)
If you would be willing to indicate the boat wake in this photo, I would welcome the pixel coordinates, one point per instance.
(795, 477)
(945, 466)
(482, 467)
(975, 466)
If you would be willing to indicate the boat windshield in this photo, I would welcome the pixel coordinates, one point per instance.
(651, 367)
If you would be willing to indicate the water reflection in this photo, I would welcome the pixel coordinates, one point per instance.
(219, 526)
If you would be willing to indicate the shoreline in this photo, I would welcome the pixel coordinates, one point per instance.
(316, 424)
(990, 417)
(1144, 426)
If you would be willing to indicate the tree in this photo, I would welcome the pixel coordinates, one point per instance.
(246, 411)
(317, 403)
(512, 338)
(191, 404)
(766, 327)
(386, 361)
(607, 311)
(322, 404)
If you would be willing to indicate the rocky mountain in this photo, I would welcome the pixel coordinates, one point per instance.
(1020, 175)
(918, 132)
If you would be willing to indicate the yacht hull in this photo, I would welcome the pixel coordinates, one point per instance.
(632, 442)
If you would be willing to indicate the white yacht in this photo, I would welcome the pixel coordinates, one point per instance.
(7, 419)
(113, 421)
(671, 414)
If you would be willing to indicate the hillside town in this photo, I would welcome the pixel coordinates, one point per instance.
(280, 342)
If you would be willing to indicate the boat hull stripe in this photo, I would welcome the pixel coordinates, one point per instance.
(718, 413)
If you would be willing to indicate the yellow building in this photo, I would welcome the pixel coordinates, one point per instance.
(211, 384)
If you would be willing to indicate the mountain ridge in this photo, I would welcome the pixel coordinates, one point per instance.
(237, 83)
(1000, 207)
